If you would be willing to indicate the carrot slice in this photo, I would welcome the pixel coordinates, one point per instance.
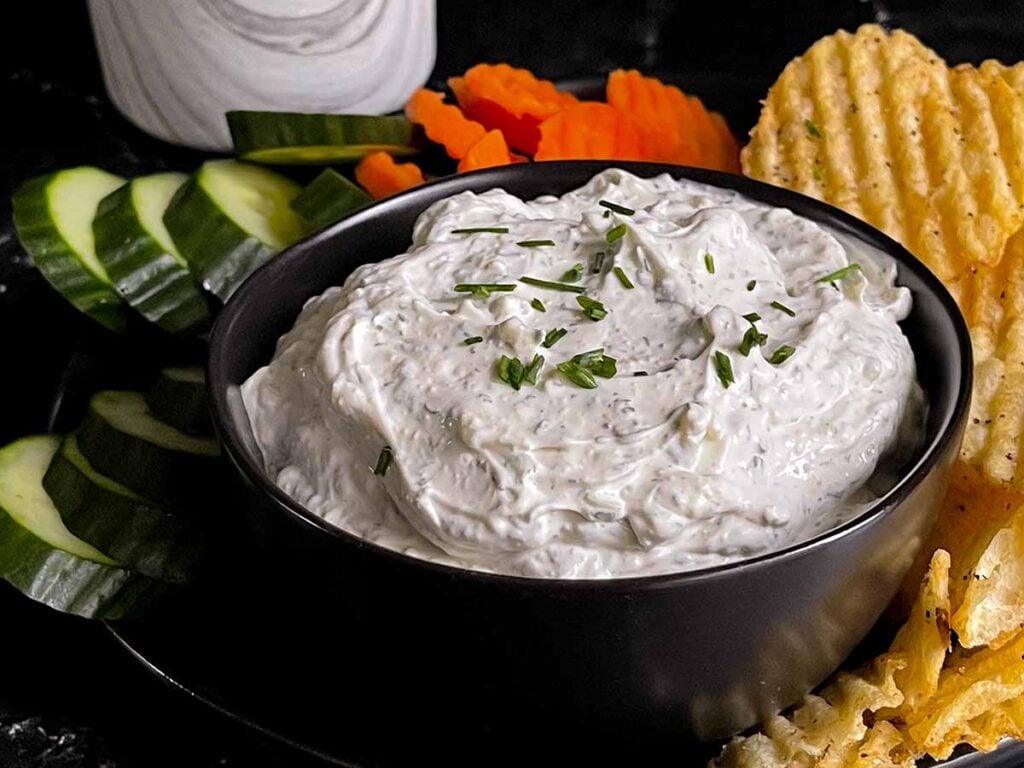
(381, 176)
(443, 123)
(661, 115)
(589, 130)
(731, 147)
(511, 100)
(489, 152)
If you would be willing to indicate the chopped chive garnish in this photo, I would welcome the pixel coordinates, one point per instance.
(752, 338)
(783, 308)
(641, 373)
(723, 367)
(530, 374)
(616, 233)
(573, 275)
(752, 317)
(751, 285)
(597, 362)
(535, 243)
(538, 305)
(781, 355)
(626, 282)
(709, 263)
(472, 340)
(616, 207)
(577, 374)
(552, 337)
(511, 371)
(812, 129)
(383, 461)
(596, 263)
(483, 290)
(592, 308)
(551, 285)
(839, 274)
(474, 230)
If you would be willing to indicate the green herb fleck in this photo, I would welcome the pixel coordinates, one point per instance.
(511, 371)
(752, 338)
(535, 243)
(723, 367)
(812, 129)
(538, 305)
(551, 285)
(709, 263)
(641, 373)
(383, 461)
(597, 263)
(783, 308)
(483, 290)
(592, 308)
(616, 207)
(597, 362)
(781, 355)
(616, 233)
(577, 374)
(573, 275)
(751, 285)
(626, 282)
(752, 317)
(472, 340)
(530, 375)
(474, 230)
(839, 274)
(552, 337)
(816, 173)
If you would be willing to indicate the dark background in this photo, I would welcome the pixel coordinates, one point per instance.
(68, 695)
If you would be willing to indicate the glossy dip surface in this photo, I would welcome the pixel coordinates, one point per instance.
(731, 392)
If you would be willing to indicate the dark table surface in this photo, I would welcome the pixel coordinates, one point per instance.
(69, 696)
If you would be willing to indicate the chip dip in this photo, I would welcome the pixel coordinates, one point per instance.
(641, 376)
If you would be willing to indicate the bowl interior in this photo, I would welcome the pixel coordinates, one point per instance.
(267, 304)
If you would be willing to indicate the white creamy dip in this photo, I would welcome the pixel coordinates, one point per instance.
(668, 471)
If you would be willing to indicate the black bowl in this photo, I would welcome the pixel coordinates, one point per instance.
(640, 660)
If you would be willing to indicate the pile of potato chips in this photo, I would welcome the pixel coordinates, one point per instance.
(876, 123)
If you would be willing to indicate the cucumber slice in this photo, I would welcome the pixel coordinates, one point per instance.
(328, 198)
(178, 397)
(138, 533)
(296, 138)
(229, 218)
(53, 217)
(42, 558)
(123, 440)
(138, 254)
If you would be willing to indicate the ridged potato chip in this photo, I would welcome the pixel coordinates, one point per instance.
(882, 748)
(875, 123)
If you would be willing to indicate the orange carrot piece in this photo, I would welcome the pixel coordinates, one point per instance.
(489, 152)
(589, 130)
(381, 176)
(443, 123)
(657, 111)
(730, 145)
(511, 100)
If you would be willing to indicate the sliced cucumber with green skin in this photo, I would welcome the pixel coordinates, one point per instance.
(178, 397)
(41, 558)
(296, 138)
(229, 218)
(53, 217)
(138, 533)
(329, 198)
(139, 256)
(121, 439)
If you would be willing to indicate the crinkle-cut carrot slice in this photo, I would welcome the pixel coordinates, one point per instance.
(489, 152)
(443, 123)
(381, 176)
(730, 147)
(589, 130)
(661, 115)
(511, 100)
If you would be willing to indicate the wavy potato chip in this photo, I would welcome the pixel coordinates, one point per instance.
(875, 123)
(876, 751)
